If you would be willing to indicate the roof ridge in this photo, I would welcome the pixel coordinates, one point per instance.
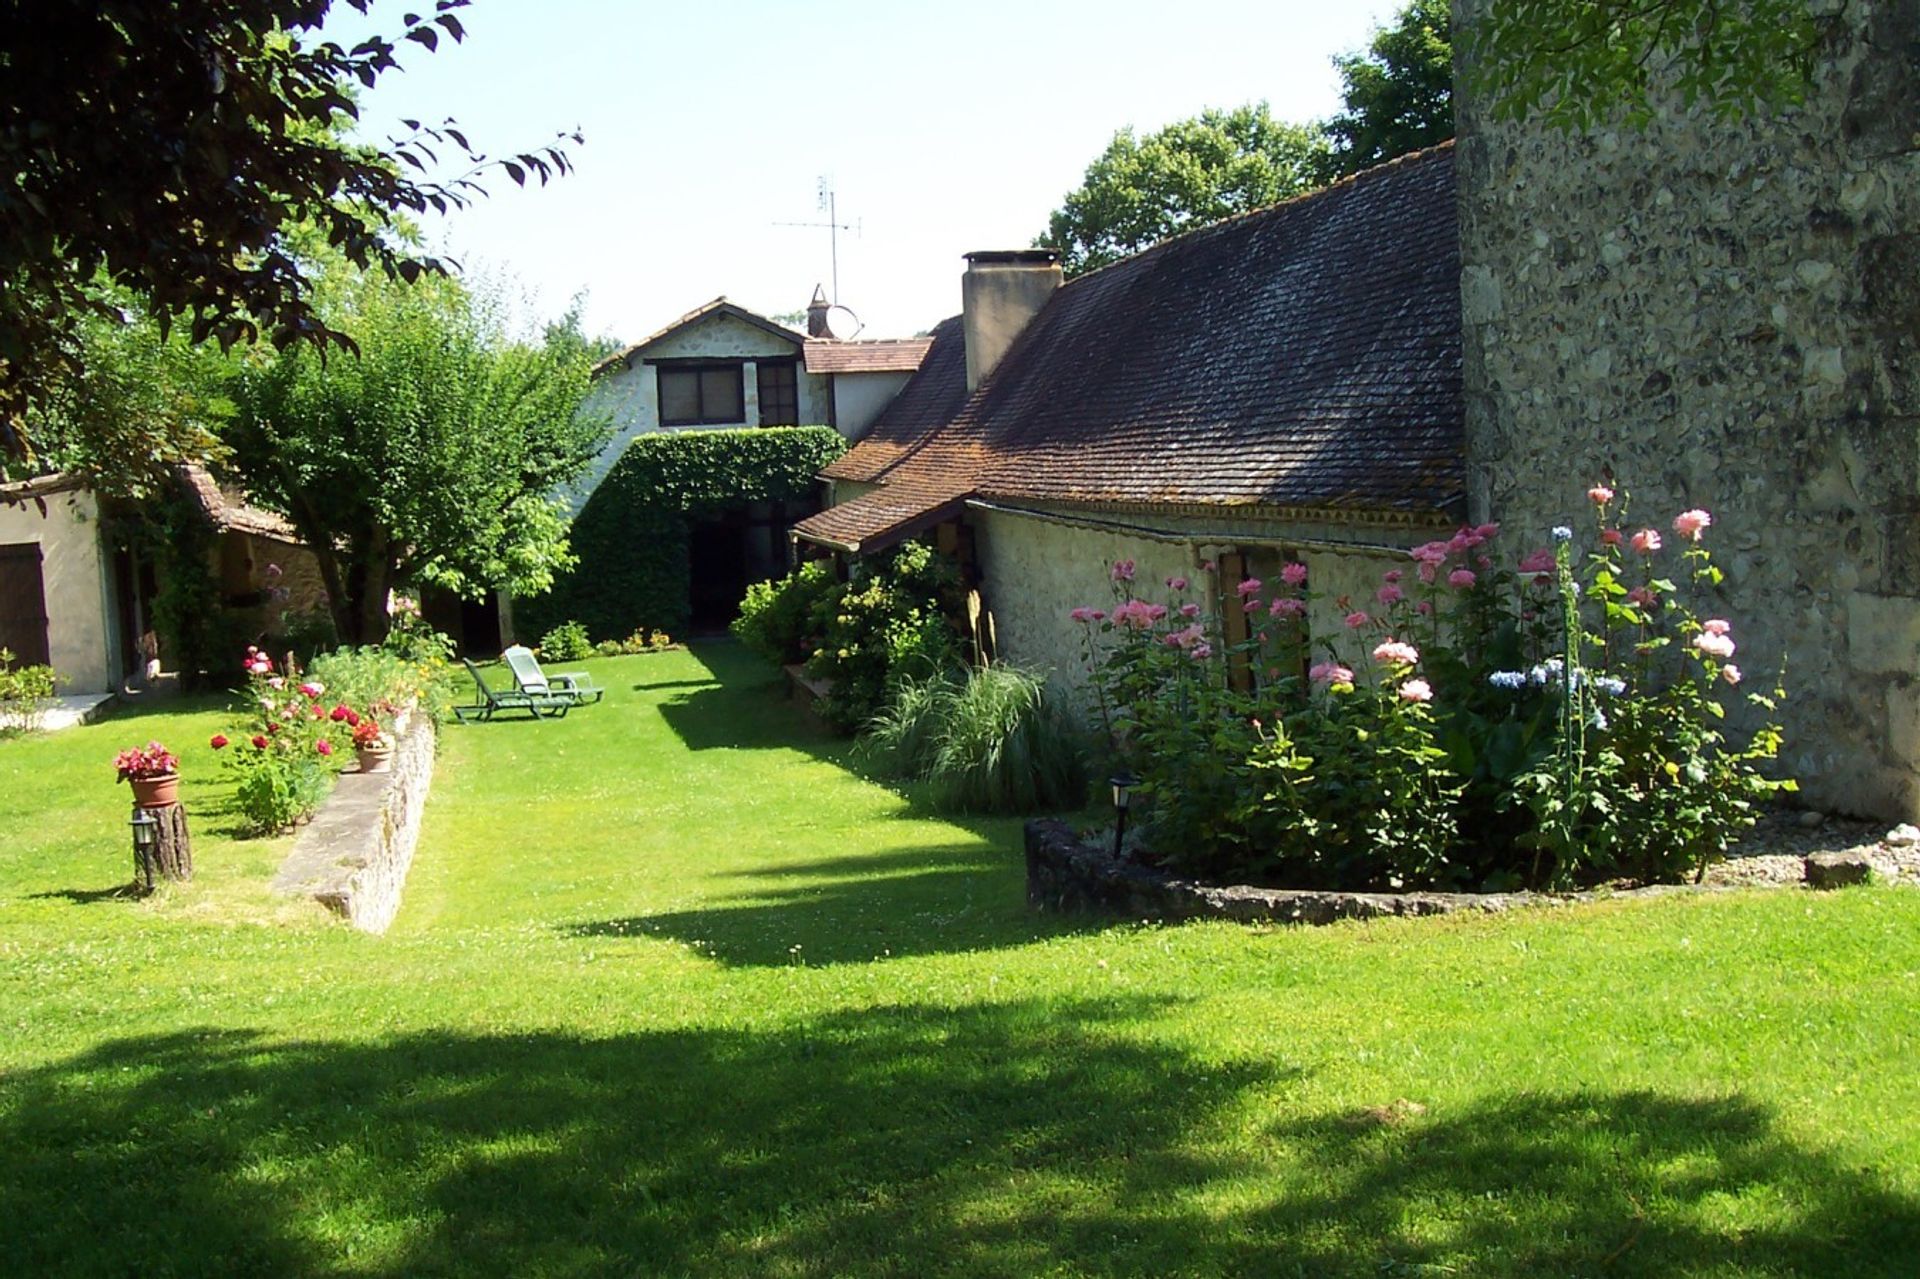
(1370, 173)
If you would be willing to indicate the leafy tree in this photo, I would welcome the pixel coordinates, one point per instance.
(431, 458)
(161, 146)
(1573, 63)
(1398, 92)
(1191, 173)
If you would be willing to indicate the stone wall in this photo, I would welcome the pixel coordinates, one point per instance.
(353, 859)
(1725, 315)
(1035, 570)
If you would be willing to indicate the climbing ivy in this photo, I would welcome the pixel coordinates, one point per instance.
(632, 536)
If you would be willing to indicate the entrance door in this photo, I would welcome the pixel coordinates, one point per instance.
(23, 604)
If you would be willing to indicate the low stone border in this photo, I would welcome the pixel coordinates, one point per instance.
(353, 858)
(1065, 874)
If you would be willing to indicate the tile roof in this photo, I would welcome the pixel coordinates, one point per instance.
(229, 512)
(933, 397)
(719, 305)
(1305, 355)
(876, 355)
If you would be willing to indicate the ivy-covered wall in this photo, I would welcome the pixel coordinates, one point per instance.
(632, 535)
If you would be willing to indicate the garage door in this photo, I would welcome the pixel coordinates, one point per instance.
(23, 603)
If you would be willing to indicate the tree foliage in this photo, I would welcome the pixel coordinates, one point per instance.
(1398, 92)
(430, 458)
(162, 146)
(1191, 173)
(1573, 63)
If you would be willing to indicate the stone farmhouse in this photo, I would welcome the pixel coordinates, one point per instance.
(1708, 313)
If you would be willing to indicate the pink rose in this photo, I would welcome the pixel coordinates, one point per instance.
(1207, 566)
(1123, 570)
(1486, 532)
(218, 741)
(1646, 541)
(1294, 573)
(1201, 652)
(1177, 583)
(1424, 608)
(1081, 615)
(1690, 524)
(1540, 561)
(259, 742)
(1357, 619)
(1189, 610)
(338, 714)
(1712, 645)
(1395, 652)
(312, 689)
(1717, 626)
(1252, 605)
(1287, 608)
(1461, 577)
(1610, 537)
(1643, 596)
(1330, 673)
(1730, 673)
(1392, 575)
(1428, 571)
(1416, 690)
(324, 746)
(1249, 587)
(1599, 495)
(1389, 594)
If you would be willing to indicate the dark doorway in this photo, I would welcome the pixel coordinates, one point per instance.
(472, 625)
(23, 604)
(727, 551)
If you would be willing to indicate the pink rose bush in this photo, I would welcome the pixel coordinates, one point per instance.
(1547, 717)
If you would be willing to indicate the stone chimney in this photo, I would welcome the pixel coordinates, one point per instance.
(817, 314)
(1001, 291)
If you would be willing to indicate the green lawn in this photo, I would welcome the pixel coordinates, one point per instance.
(675, 992)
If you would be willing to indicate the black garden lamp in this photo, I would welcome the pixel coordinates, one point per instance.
(1123, 784)
(146, 832)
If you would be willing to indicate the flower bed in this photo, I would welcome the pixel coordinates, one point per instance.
(1542, 720)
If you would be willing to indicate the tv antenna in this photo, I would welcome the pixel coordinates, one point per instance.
(828, 205)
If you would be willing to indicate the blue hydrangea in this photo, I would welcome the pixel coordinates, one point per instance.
(1599, 719)
(1612, 685)
(1561, 533)
(1546, 672)
(1509, 680)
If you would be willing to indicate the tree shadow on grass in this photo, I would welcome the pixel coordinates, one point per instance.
(933, 901)
(1000, 1139)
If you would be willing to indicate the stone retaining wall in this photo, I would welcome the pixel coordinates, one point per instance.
(1065, 874)
(354, 858)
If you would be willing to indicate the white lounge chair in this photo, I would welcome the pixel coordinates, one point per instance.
(576, 686)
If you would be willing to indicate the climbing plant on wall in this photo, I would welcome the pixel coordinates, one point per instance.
(632, 536)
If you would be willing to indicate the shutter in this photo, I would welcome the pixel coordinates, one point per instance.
(1233, 620)
(23, 604)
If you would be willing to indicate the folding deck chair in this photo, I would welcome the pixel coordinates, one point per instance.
(494, 701)
(530, 679)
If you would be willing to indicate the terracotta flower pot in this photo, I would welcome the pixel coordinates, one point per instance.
(155, 792)
(376, 761)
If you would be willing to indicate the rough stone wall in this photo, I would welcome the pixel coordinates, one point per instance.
(353, 859)
(1035, 571)
(1726, 315)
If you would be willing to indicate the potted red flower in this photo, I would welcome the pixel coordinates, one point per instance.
(372, 744)
(154, 773)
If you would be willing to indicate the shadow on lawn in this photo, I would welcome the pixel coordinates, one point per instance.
(996, 1139)
(954, 901)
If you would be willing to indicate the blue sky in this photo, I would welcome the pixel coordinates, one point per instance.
(945, 128)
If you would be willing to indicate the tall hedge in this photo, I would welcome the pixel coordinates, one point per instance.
(632, 535)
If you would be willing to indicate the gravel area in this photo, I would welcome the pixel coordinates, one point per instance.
(1774, 852)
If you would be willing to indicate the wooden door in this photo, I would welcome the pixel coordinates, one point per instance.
(23, 604)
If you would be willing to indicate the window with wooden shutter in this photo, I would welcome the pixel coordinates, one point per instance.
(23, 604)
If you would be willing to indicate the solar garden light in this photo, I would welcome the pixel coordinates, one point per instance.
(146, 832)
(1123, 784)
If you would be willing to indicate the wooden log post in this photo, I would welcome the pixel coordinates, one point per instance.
(170, 855)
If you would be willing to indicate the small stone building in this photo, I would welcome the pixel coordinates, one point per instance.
(1285, 385)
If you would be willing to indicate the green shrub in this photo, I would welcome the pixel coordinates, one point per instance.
(567, 642)
(776, 617)
(273, 790)
(991, 742)
(891, 620)
(376, 679)
(641, 641)
(22, 690)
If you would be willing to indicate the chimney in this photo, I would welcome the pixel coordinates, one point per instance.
(817, 314)
(1001, 291)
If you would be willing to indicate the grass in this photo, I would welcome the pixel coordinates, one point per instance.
(675, 992)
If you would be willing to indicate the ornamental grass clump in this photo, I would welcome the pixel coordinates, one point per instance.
(993, 740)
(1485, 721)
